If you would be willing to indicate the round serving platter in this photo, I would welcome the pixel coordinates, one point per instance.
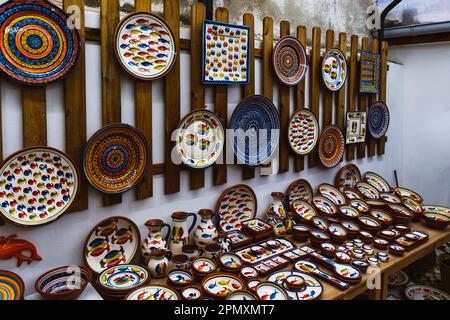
(312, 291)
(256, 124)
(38, 186)
(299, 190)
(331, 146)
(378, 119)
(38, 44)
(290, 61)
(377, 181)
(330, 192)
(123, 277)
(421, 292)
(11, 286)
(153, 293)
(347, 177)
(303, 132)
(116, 158)
(200, 139)
(145, 46)
(334, 69)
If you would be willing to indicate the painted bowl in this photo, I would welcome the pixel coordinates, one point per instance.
(390, 198)
(324, 206)
(221, 285)
(330, 192)
(351, 228)
(380, 243)
(352, 193)
(191, 293)
(360, 205)
(269, 291)
(384, 218)
(179, 279)
(369, 223)
(436, 220)
(361, 265)
(376, 204)
(388, 235)
(242, 295)
(414, 206)
(343, 257)
(317, 237)
(153, 293)
(328, 249)
(248, 273)
(303, 211)
(202, 267)
(252, 285)
(320, 223)
(348, 212)
(295, 282)
(230, 262)
(11, 286)
(400, 214)
(65, 283)
(404, 192)
(122, 279)
(397, 250)
(366, 237)
(338, 233)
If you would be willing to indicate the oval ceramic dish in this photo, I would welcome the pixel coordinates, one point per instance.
(383, 217)
(331, 146)
(367, 190)
(403, 192)
(349, 212)
(114, 241)
(320, 223)
(221, 285)
(312, 291)
(38, 185)
(38, 44)
(145, 46)
(413, 205)
(204, 265)
(230, 261)
(178, 278)
(377, 181)
(436, 220)
(420, 292)
(153, 293)
(378, 119)
(304, 210)
(360, 205)
(123, 277)
(334, 69)
(330, 192)
(299, 190)
(11, 286)
(437, 209)
(269, 291)
(289, 61)
(347, 177)
(303, 132)
(370, 224)
(242, 295)
(351, 194)
(390, 198)
(325, 205)
(116, 158)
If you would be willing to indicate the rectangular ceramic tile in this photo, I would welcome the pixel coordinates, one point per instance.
(356, 127)
(370, 72)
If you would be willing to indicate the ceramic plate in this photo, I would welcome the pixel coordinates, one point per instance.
(241, 295)
(220, 285)
(123, 277)
(334, 69)
(11, 286)
(299, 190)
(356, 127)
(153, 293)
(256, 125)
(204, 265)
(420, 292)
(38, 45)
(200, 139)
(230, 261)
(112, 242)
(191, 293)
(235, 205)
(403, 192)
(330, 192)
(303, 132)
(38, 185)
(367, 190)
(349, 212)
(116, 158)
(271, 291)
(437, 209)
(145, 46)
(378, 119)
(304, 210)
(325, 205)
(381, 216)
(249, 272)
(347, 177)
(312, 291)
(377, 181)
(360, 205)
(351, 194)
(289, 61)
(331, 146)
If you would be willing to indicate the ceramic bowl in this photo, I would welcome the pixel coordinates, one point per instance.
(352, 193)
(317, 237)
(368, 249)
(397, 250)
(373, 262)
(230, 262)
(11, 286)
(361, 265)
(153, 293)
(376, 204)
(368, 191)
(300, 232)
(343, 257)
(248, 273)
(303, 211)
(351, 228)
(349, 213)
(252, 285)
(388, 235)
(333, 194)
(369, 224)
(295, 282)
(358, 253)
(360, 205)
(415, 207)
(400, 214)
(338, 234)
(320, 223)
(65, 283)
(269, 291)
(401, 228)
(328, 249)
(382, 256)
(366, 237)
(202, 267)
(384, 218)
(241, 295)
(403, 192)
(358, 243)
(221, 285)
(324, 206)
(390, 198)
(179, 279)
(436, 220)
(191, 293)
(380, 243)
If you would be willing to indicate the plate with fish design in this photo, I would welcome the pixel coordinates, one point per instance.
(351, 194)
(347, 177)
(153, 293)
(312, 291)
(421, 292)
(299, 190)
(304, 132)
(437, 209)
(304, 210)
(334, 69)
(390, 198)
(377, 181)
(269, 291)
(325, 205)
(330, 192)
(368, 191)
(221, 285)
(123, 277)
(404, 192)
(360, 205)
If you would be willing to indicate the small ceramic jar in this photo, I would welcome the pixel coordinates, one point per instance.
(179, 279)
(180, 261)
(380, 244)
(248, 274)
(300, 233)
(328, 249)
(191, 293)
(295, 283)
(358, 243)
(382, 256)
(361, 265)
(158, 263)
(212, 251)
(397, 250)
(373, 262)
(192, 252)
(366, 237)
(369, 250)
(343, 257)
(358, 254)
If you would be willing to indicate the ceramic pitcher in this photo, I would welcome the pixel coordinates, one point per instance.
(155, 239)
(276, 208)
(206, 231)
(181, 231)
(158, 263)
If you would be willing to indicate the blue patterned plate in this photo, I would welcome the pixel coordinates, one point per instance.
(378, 119)
(289, 61)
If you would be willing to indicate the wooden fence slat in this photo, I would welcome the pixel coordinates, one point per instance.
(340, 114)
(34, 116)
(172, 100)
(267, 58)
(197, 89)
(221, 109)
(249, 89)
(383, 88)
(363, 106)
(373, 98)
(315, 75)
(284, 110)
(328, 95)
(352, 87)
(299, 161)
(75, 109)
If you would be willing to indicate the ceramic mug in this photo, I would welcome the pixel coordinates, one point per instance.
(192, 252)
(212, 251)
(180, 261)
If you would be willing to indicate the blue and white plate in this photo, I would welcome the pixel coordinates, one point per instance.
(378, 119)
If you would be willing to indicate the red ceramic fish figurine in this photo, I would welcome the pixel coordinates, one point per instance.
(12, 247)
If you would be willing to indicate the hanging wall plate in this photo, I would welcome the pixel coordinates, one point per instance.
(331, 146)
(303, 132)
(378, 119)
(370, 72)
(356, 127)
(289, 61)
(334, 69)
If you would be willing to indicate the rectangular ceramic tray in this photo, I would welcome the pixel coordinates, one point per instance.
(409, 244)
(251, 258)
(271, 265)
(256, 227)
(239, 239)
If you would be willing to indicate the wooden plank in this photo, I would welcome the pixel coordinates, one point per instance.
(34, 116)
(352, 87)
(315, 76)
(299, 161)
(363, 105)
(383, 89)
(267, 58)
(221, 109)
(75, 109)
(197, 89)
(111, 102)
(373, 98)
(249, 89)
(328, 95)
(284, 110)
(340, 114)
(172, 100)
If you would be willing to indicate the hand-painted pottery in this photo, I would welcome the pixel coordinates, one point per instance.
(303, 210)
(181, 230)
(242, 295)
(400, 213)
(343, 257)
(267, 291)
(374, 262)
(303, 132)
(331, 146)
(251, 285)
(203, 266)
(351, 228)
(312, 291)
(230, 262)
(358, 243)
(366, 237)
(238, 239)
(39, 46)
(200, 139)
(398, 279)
(442, 210)
(116, 158)
(158, 263)
(358, 253)
(378, 119)
(155, 240)
(221, 285)
(369, 250)
(299, 190)
(360, 205)
(413, 205)
(383, 257)
(343, 271)
(377, 181)
(255, 124)
(261, 251)
(320, 223)
(351, 194)
(289, 61)
(225, 241)
(356, 127)
(370, 224)
(325, 206)
(387, 234)
(318, 237)
(436, 220)
(397, 250)
(328, 249)
(370, 72)
(330, 192)
(334, 69)
(403, 192)
(248, 273)
(348, 212)
(206, 231)
(276, 207)
(235, 205)
(380, 244)
(301, 233)
(376, 203)
(38, 186)
(367, 190)
(383, 217)
(179, 279)
(338, 233)
(212, 251)
(390, 198)
(361, 265)
(153, 293)
(112, 242)
(226, 53)
(65, 283)
(11, 286)
(191, 293)
(180, 261)
(347, 177)
(123, 278)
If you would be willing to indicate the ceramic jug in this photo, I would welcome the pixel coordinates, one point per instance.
(206, 231)
(158, 263)
(224, 242)
(276, 208)
(155, 239)
(181, 231)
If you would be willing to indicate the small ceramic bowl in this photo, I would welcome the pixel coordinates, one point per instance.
(342, 249)
(369, 250)
(179, 279)
(369, 224)
(388, 235)
(324, 206)
(373, 262)
(358, 253)
(242, 295)
(380, 244)
(300, 233)
(65, 283)
(252, 285)
(180, 261)
(435, 220)
(358, 243)
(343, 257)
(351, 228)
(248, 273)
(414, 206)
(397, 250)
(382, 256)
(320, 223)
(401, 228)
(230, 262)
(338, 234)
(361, 265)
(390, 198)
(360, 205)
(376, 204)
(191, 293)
(384, 218)
(317, 237)
(202, 267)
(400, 214)
(366, 237)
(328, 249)
(348, 212)
(295, 283)
(352, 193)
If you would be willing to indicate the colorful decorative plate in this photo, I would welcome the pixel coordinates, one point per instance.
(403, 192)
(380, 215)
(204, 265)
(300, 190)
(38, 185)
(437, 209)
(390, 198)
(356, 127)
(331, 146)
(325, 205)
(153, 293)
(351, 194)
(116, 158)
(235, 205)
(378, 119)
(271, 291)
(11, 286)
(38, 46)
(304, 210)
(334, 69)
(221, 285)
(123, 277)
(377, 181)
(145, 46)
(242, 295)
(312, 291)
(200, 139)
(256, 130)
(420, 292)
(347, 177)
(330, 192)
(112, 242)
(349, 212)
(303, 132)
(289, 61)
(360, 205)
(368, 191)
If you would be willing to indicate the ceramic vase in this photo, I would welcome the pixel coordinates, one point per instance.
(224, 242)
(206, 232)
(155, 239)
(181, 231)
(276, 208)
(158, 263)
(289, 222)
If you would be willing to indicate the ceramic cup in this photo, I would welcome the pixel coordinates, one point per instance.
(212, 251)
(192, 251)
(180, 261)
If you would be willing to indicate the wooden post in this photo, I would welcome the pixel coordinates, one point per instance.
(383, 89)
(352, 88)
(373, 98)
(315, 75)
(340, 115)
(284, 110)
(328, 95)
